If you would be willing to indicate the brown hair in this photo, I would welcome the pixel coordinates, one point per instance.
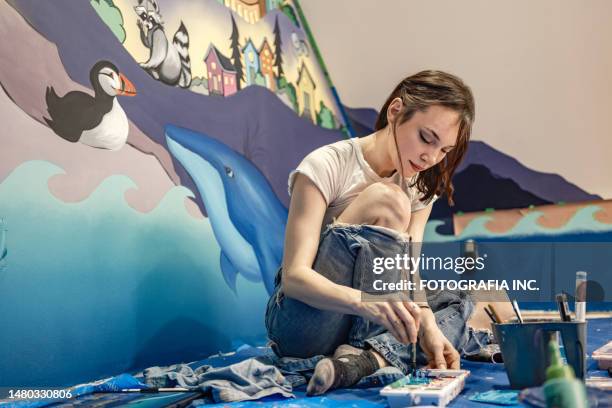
(420, 91)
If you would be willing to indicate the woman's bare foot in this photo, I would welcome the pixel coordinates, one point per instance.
(324, 374)
(322, 379)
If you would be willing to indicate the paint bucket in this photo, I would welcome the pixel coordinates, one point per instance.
(524, 348)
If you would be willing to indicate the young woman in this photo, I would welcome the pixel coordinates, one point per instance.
(369, 197)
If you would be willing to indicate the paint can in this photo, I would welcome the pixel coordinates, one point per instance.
(524, 348)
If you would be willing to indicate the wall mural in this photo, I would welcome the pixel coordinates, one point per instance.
(221, 47)
(137, 207)
(143, 178)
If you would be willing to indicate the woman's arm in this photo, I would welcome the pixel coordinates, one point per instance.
(416, 230)
(440, 352)
(299, 280)
(418, 220)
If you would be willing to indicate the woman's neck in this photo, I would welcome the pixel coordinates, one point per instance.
(376, 153)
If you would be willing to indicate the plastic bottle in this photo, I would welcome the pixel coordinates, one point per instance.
(562, 389)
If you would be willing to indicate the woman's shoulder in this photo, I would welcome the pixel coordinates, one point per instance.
(328, 167)
(340, 151)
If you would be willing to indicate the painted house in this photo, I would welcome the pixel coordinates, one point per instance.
(251, 62)
(306, 93)
(221, 73)
(266, 64)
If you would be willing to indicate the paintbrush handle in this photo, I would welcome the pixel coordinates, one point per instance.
(495, 314)
(490, 315)
(515, 306)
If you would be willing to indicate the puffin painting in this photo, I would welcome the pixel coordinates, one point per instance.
(97, 121)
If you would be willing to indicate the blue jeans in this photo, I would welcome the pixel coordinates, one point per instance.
(301, 335)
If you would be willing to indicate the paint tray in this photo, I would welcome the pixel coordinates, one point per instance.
(603, 355)
(442, 387)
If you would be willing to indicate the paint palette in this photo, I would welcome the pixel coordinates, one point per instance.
(431, 387)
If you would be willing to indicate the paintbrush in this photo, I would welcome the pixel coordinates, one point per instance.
(157, 389)
(413, 364)
(561, 299)
(495, 314)
(515, 306)
(490, 315)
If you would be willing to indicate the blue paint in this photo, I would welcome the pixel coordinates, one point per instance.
(251, 62)
(95, 288)
(247, 218)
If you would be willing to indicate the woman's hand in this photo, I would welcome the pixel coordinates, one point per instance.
(439, 351)
(401, 318)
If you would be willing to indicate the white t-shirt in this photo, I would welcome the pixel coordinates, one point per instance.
(340, 172)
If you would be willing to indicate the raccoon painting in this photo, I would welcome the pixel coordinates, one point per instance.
(168, 60)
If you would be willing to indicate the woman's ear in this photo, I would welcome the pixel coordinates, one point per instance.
(394, 110)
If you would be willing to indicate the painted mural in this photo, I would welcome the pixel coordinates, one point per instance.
(545, 219)
(220, 47)
(121, 230)
(143, 178)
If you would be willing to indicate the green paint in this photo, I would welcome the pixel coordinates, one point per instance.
(111, 16)
(349, 129)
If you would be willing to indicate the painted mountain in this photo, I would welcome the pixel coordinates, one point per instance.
(486, 179)
(362, 120)
(490, 179)
(254, 122)
(226, 46)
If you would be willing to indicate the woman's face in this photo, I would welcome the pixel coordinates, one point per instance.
(425, 139)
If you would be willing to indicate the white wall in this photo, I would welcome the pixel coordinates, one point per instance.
(541, 71)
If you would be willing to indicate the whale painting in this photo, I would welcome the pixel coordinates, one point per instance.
(247, 218)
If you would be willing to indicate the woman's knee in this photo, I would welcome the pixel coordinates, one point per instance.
(383, 204)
